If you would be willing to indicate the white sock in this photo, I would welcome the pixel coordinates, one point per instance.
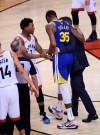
(70, 114)
(58, 107)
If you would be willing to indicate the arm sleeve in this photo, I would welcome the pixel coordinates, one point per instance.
(70, 47)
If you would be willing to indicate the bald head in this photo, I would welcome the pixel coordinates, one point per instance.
(15, 45)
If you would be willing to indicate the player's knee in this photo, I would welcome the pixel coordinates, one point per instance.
(75, 17)
(41, 96)
(93, 19)
(65, 93)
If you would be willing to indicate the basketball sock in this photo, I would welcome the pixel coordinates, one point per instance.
(70, 114)
(58, 107)
(41, 107)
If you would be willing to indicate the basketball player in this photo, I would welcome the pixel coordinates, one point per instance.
(9, 98)
(59, 33)
(29, 47)
(80, 62)
(90, 6)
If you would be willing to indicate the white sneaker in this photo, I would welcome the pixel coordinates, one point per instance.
(68, 125)
(57, 114)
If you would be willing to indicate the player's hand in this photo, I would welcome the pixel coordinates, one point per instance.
(36, 93)
(56, 51)
(46, 50)
(33, 89)
(87, 2)
(46, 56)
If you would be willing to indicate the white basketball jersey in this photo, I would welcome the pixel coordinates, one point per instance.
(30, 45)
(7, 70)
(31, 48)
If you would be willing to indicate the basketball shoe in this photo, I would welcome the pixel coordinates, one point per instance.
(92, 37)
(57, 114)
(68, 125)
(44, 118)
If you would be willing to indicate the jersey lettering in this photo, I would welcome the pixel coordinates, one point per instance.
(5, 72)
(64, 37)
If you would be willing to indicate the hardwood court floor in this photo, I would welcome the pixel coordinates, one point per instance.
(36, 9)
(6, 4)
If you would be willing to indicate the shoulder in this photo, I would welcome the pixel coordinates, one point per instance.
(50, 25)
(35, 38)
(5, 52)
(12, 53)
(18, 37)
(13, 56)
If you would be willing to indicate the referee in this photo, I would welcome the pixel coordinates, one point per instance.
(23, 88)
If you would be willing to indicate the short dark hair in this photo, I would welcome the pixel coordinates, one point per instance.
(67, 19)
(25, 22)
(50, 13)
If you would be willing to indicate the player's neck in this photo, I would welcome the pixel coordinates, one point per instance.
(54, 19)
(25, 34)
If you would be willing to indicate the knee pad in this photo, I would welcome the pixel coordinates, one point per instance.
(65, 93)
(75, 17)
(92, 18)
(41, 96)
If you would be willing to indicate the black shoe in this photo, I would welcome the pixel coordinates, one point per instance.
(74, 113)
(92, 37)
(90, 118)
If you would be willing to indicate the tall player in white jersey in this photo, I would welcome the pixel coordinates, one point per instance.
(9, 98)
(29, 47)
(90, 6)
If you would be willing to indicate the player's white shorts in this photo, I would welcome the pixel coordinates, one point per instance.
(9, 103)
(38, 76)
(79, 5)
